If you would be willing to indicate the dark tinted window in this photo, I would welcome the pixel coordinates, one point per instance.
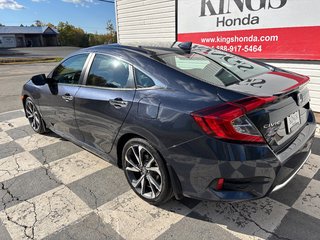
(69, 71)
(143, 81)
(109, 72)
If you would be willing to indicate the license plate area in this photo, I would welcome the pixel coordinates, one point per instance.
(292, 121)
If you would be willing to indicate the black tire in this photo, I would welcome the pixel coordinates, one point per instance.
(36, 122)
(152, 170)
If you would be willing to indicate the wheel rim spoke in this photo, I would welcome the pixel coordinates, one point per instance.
(37, 123)
(143, 186)
(29, 113)
(37, 120)
(132, 169)
(137, 155)
(154, 169)
(132, 164)
(136, 184)
(153, 192)
(154, 183)
(140, 155)
(30, 105)
(152, 160)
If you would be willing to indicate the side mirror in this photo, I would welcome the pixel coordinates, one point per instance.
(39, 80)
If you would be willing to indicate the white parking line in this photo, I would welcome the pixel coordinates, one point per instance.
(13, 111)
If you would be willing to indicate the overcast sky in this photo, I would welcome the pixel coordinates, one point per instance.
(91, 15)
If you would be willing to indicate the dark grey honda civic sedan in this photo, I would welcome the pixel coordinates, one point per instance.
(184, 121)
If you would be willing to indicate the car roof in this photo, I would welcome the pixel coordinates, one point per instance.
(148, 51)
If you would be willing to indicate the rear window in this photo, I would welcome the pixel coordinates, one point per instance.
(214, 67)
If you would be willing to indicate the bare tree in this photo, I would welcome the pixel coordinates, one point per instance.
(110, 28)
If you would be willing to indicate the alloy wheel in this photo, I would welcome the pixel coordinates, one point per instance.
(143, 171)
(33, 116)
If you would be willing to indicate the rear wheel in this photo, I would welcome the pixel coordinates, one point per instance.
(33, 115)
(146, 172)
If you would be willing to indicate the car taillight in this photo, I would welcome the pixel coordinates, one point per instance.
(228, 121)
(219, 184)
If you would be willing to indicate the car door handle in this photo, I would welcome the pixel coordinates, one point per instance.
(118, 103)
(67, 97)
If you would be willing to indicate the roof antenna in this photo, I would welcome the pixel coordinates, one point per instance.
(185, 46)
(172, 45)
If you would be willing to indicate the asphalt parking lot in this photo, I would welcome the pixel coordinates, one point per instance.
(52, 189)
(37, 52)
(13, 77)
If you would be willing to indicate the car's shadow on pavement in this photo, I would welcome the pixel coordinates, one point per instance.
(316, 146)
(238, 220)
(256, 218)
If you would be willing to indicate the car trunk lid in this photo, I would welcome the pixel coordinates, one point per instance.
(282, 120)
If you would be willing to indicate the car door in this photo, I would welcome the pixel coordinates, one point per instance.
(57, 97)
(103, 103)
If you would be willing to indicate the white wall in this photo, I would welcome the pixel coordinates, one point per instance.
(313, 71)
(150, 22)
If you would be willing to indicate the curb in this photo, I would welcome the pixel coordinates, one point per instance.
(5, 61)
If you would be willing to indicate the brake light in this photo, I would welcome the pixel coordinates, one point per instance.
(219, 184)
(228, 121)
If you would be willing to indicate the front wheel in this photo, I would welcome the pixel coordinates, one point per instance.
(34, 117)
(146, 172)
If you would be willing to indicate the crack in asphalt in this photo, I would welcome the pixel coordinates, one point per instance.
(309, 197)
(13, 198)
(46, 167)
(257, 224)
(29, 228)
(9, 218)
(93, 195)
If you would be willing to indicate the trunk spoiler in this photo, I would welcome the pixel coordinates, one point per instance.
(302, 81)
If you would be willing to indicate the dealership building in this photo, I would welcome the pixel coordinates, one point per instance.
(285, 33)
(16, 36)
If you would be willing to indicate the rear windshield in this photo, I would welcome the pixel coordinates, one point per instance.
(214, 67)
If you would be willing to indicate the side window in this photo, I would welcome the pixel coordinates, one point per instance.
(69, 71)
(143, 81)
(109, 72)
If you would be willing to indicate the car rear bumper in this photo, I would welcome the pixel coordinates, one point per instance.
(250, 171)
(290, 176)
